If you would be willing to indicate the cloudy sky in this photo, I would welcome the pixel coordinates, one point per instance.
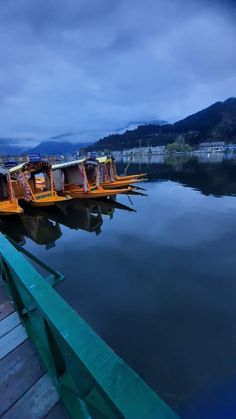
(93, 66)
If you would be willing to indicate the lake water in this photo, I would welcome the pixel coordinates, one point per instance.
(159, 284)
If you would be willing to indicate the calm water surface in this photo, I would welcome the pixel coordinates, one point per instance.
(159, 284)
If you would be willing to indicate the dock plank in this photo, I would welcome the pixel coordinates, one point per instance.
(20, 370)
(11, 340)
(6, 305)
(36, 403)
(9, 323)
(14, 361)
(26, 391)
(6, 308)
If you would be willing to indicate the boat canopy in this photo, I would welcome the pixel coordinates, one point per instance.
(33, 167)
(67, 164)
(17, 168)
(6, 190)
(103, 159)
(71, 172)
(4, 171)
(23, 178)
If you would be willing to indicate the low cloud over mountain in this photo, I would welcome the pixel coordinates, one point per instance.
(80, 66)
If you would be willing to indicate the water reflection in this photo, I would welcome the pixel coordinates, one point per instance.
(43, 225)
(157, 285)
(201, 157)
(218, 178)
(35, 227)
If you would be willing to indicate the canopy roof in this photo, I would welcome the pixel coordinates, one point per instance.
(3, 170)
(31, 166)
(103, 159)
(67, 164)
(16, 168)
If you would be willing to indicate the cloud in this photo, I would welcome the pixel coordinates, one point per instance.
(92, 67)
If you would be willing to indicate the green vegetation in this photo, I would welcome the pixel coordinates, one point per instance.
(177, 147)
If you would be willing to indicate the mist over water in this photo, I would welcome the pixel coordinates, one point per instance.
(158, 285)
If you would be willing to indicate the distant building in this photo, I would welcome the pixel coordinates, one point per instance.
(160, 149)
(144, 151)
(212, 146)
(230, 147)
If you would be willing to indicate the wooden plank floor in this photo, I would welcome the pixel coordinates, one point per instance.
(26, 390)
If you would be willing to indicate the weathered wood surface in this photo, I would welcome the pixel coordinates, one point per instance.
(9, 323)
(36, 402)
(26, 390)
(6, 306)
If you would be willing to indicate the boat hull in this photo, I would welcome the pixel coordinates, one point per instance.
(10, 208)
(76, 192)
(119, 183)
(46, 201)
(130, 177)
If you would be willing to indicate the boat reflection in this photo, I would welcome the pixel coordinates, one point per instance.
(36, 227)
(43, 224)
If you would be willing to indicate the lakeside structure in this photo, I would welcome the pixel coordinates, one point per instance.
(204, 147)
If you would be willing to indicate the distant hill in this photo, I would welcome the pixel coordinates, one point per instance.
(64, 143)
(135, 124)
(10, 146)
(215, 123)
(57, 147)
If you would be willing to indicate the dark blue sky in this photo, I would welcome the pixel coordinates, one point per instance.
(90, 67)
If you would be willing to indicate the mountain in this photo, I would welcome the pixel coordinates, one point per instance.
(59, 144)
(64, 143)
(215, 123)
(9, 146)
(57, 147)
(135, 124)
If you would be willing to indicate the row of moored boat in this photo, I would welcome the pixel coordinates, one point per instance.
(39, 183)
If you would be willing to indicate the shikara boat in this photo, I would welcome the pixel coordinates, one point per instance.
(81, 179)
(117, 184)
(111, 167)
(130, 177)
(8, 202)
(28, 189)
(109, 177)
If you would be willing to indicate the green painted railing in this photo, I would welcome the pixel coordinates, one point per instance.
(91, 379)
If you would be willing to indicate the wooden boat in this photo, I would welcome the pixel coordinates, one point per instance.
(125, 177)
(130, 177)
(8, 202)
(26, 187)
(109, 177)
(94, 192)
(117, 184)
(80, 178)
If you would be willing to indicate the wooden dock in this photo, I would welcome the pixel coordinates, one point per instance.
(26, 390)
